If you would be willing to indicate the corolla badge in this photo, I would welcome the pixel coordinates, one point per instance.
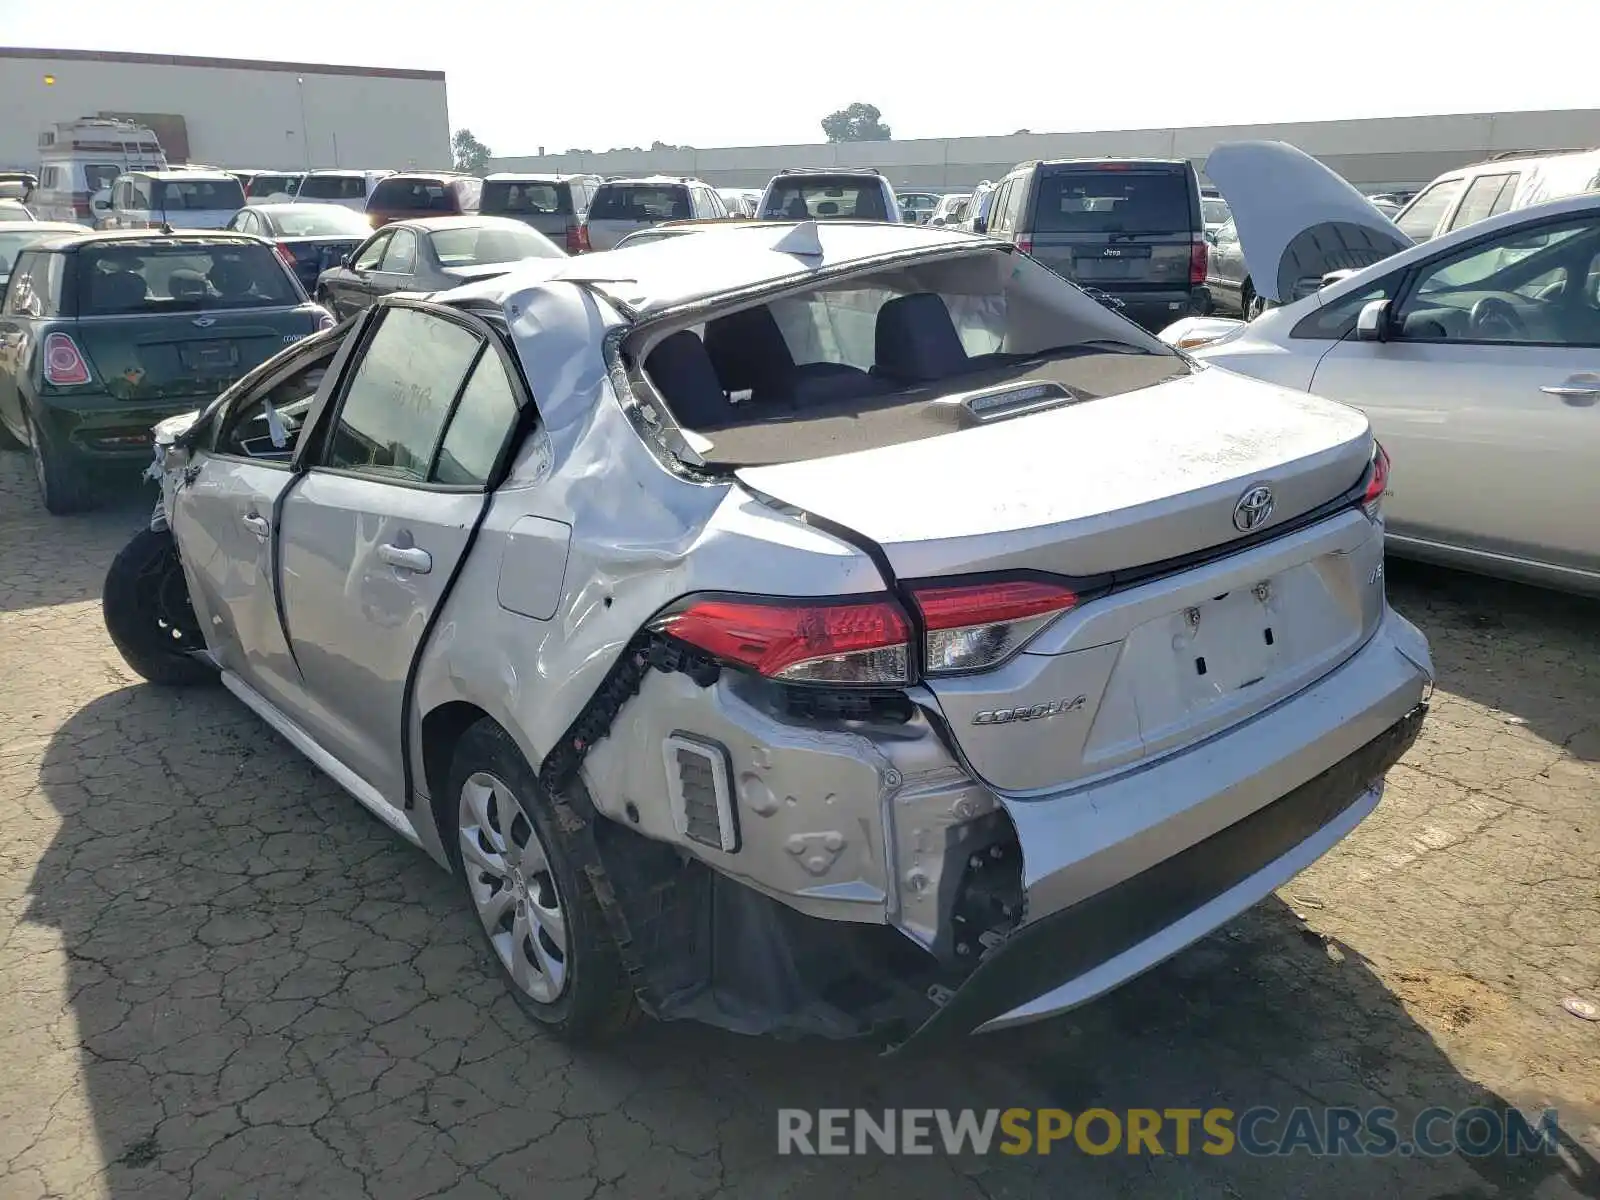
(1253, 509)
(205, 322)
(1030, 712)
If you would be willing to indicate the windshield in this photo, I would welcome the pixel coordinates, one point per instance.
(481, 245)
(199, 195)
(334, 187)
(528, 198)
(640, 202)
(872, 359)
(319, 220)
(1113, 201)
(826, 198)
(180, 277)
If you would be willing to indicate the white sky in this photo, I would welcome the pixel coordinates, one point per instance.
(720, 73)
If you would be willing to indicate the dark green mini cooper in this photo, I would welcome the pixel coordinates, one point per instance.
(104, 334)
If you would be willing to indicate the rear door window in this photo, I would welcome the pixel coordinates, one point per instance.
(1112, 201)
(1480, 200)
(640, 202)
(199, 195)
(1420, 220)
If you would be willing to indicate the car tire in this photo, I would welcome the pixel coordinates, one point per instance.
(9, 440)
(535, 910)
(1251, 305)
(62, 489)
(145, 604)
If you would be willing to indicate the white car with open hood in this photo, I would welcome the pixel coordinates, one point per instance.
(1475, 355)
(838, 628)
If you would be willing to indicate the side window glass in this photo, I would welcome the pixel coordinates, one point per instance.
(369, 258)
(1513, 288)
(1334, 321)
(1015, 199)
(482, 421)
(22, 298)
(1419, 221)
(1507, 196)
(1479, 201)
(401, 256)
(997, 210)
(399, 396)
(267, 425)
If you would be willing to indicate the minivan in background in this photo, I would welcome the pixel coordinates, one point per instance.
(1502, 184)
(180, 199)
(624, 206)
(80, 159)
(555, 205)
(274, 187)
(1131, 228)
(423, 194)
(347, 189)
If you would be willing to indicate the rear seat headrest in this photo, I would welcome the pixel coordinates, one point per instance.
(916, 341)
(682, 372)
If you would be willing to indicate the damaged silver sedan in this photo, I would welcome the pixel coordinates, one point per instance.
(842, 630)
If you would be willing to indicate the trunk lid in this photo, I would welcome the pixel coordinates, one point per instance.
(1117, 226)
(1116, 494)
(154, 356)
(1297, 220)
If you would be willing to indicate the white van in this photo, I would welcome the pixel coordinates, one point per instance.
(347, 189)
(78, 159)
(1502, 184)
(180, 199)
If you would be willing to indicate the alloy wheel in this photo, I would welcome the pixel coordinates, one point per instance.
(513, 889)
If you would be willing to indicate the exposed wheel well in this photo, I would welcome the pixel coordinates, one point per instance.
(441, 731)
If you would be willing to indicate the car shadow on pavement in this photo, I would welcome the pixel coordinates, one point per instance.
(266, 993)
(1478, 627)
(37, 574)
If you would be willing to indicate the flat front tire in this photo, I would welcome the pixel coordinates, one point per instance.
(537, 913)
(145, 603)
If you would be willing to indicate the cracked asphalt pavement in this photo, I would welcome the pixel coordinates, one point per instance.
(219, 977)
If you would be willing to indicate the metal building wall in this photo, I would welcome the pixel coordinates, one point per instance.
(237, 113)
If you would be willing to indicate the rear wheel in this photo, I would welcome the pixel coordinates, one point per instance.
(538, 915)
(1251, 304)
(62, 485)
(145, 603)
(9, 440)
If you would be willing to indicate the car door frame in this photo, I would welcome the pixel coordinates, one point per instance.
(317, 429)
(387, 282)
(347, 283)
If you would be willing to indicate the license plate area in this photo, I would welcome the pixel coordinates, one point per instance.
(1227, 643)
(209, 357)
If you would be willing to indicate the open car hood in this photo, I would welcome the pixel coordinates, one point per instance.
(1297, 220)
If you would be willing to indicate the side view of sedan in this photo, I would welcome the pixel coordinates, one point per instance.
(434, 254)
(1476, 356)
(310, 237)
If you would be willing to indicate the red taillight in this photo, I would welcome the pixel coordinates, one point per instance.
(285, 255)
(973, 626)
(80, 208)
(64, 364)
(1197, 262)
(577, 239)
(800, 641)
(1377, 482)
(1025, 243)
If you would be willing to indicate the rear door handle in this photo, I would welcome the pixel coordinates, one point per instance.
(257, 525)
(407, 558)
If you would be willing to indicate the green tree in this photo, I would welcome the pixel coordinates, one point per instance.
(471, 155)
(858, 123)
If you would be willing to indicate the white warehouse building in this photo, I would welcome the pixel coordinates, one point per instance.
(230, 112)
(1376, 154)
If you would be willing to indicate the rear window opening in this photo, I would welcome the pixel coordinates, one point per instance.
(199, 195)
(1104, 201)
(526, 198)
(151, 278)
(828, 198)
(896, 356)
(640, 202)
(334, 187)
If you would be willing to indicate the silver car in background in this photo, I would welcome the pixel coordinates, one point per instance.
(828, 629)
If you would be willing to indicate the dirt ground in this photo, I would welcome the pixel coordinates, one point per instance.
(220, 978)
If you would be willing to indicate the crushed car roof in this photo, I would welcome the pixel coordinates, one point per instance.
(663, 274)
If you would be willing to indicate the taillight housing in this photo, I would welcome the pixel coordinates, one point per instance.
(1198, 258)
(325, 319)
(852, 643)
(1377, 482)
(1024, 242)
(577, 239)
(285, 255)
(64, 364)
(975, 626)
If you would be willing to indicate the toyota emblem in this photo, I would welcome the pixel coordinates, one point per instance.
(1253, 509)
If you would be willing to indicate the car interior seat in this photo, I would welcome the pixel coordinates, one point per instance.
(915, 341)
(684, 375)
(117, 289)
(748, 351)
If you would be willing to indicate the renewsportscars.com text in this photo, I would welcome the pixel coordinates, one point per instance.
(1258, 1131)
